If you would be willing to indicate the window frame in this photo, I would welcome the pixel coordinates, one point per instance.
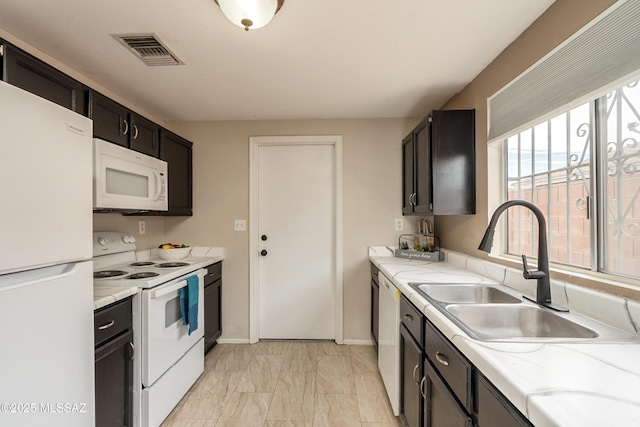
(597, 202)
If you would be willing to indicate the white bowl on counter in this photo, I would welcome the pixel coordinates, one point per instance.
(174, 253)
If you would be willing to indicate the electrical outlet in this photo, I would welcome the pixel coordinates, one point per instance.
(399, 224)
(142, 227)
(240, 225)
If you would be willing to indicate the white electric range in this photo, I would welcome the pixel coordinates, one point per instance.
(168, 360)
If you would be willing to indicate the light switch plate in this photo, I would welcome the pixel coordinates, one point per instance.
(240, 225)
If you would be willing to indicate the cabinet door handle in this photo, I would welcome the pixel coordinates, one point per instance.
(126, 127)
(133, 350)
(135, 135)
(415, 199)
(408, 318)
(414, 374)
(442, 358)
(422, 392)
(107, 325)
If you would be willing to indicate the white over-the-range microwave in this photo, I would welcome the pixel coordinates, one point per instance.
(125, 180)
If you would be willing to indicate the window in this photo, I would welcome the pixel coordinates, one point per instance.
(582, 169)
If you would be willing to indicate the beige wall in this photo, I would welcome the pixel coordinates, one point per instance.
(561, 20)
(371, 196)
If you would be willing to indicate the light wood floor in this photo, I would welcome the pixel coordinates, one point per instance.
(287, 384)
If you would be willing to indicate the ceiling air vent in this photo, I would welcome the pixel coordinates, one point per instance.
(149, 49)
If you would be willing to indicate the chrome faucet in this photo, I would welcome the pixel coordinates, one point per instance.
(543, 288)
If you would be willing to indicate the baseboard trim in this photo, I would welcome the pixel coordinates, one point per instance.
(233, 341)
(358, 342)
(246, 341)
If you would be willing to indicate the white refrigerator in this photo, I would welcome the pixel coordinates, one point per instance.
(46, 272)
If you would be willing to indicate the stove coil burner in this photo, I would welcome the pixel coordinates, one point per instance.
(108, 273)
(172, 264)
(142, 264)
(143, 275)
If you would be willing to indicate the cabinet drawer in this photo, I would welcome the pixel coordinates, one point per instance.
(374, 273)
(455, 369)
(111, 321)
(412, 319)
(214, 272)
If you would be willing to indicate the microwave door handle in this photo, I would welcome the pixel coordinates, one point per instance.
(158, 184)
(167, 290)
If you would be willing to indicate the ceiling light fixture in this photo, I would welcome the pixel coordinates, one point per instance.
(252, 14)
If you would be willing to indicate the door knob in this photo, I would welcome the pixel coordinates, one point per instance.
(263, 252)
(264, 237)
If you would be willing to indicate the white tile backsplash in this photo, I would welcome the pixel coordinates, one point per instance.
(488, 269)
(601, 306)
(633, 308)
(513, 278)
(456, 259)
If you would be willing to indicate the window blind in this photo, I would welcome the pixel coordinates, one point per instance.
(604, 51)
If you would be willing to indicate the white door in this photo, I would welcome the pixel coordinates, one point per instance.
(296, 241)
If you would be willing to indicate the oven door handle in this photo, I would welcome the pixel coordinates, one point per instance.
(170, 288)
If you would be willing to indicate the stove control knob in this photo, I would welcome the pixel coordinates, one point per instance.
(102, 241)
(128, 239)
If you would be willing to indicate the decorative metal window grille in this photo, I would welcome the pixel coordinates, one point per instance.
(582, 168)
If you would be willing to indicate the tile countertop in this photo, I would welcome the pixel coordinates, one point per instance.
(552, 384)
(105, 295)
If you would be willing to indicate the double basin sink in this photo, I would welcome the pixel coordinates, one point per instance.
(497, 313)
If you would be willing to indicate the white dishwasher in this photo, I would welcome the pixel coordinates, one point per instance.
(389, 340)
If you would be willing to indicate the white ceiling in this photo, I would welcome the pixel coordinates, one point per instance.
(317, 59)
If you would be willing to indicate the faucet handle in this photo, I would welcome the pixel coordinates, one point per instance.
(530, 274)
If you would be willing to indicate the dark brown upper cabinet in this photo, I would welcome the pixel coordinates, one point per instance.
(177, 152)
(416, 152)
(116, 123)
(439, 165)
(110, 119)
(29, 73)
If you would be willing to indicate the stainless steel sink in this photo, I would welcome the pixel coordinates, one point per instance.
(516, 322)
(471, 293)
(497, 313)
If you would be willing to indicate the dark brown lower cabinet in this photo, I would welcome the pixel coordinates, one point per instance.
(411, 372)
(114, 382)
(441, 409)
(114, 353)
(375, 304)
(440, 387)
(212, 305)
(493, 409)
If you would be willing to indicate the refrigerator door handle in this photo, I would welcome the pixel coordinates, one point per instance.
(35, 277)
